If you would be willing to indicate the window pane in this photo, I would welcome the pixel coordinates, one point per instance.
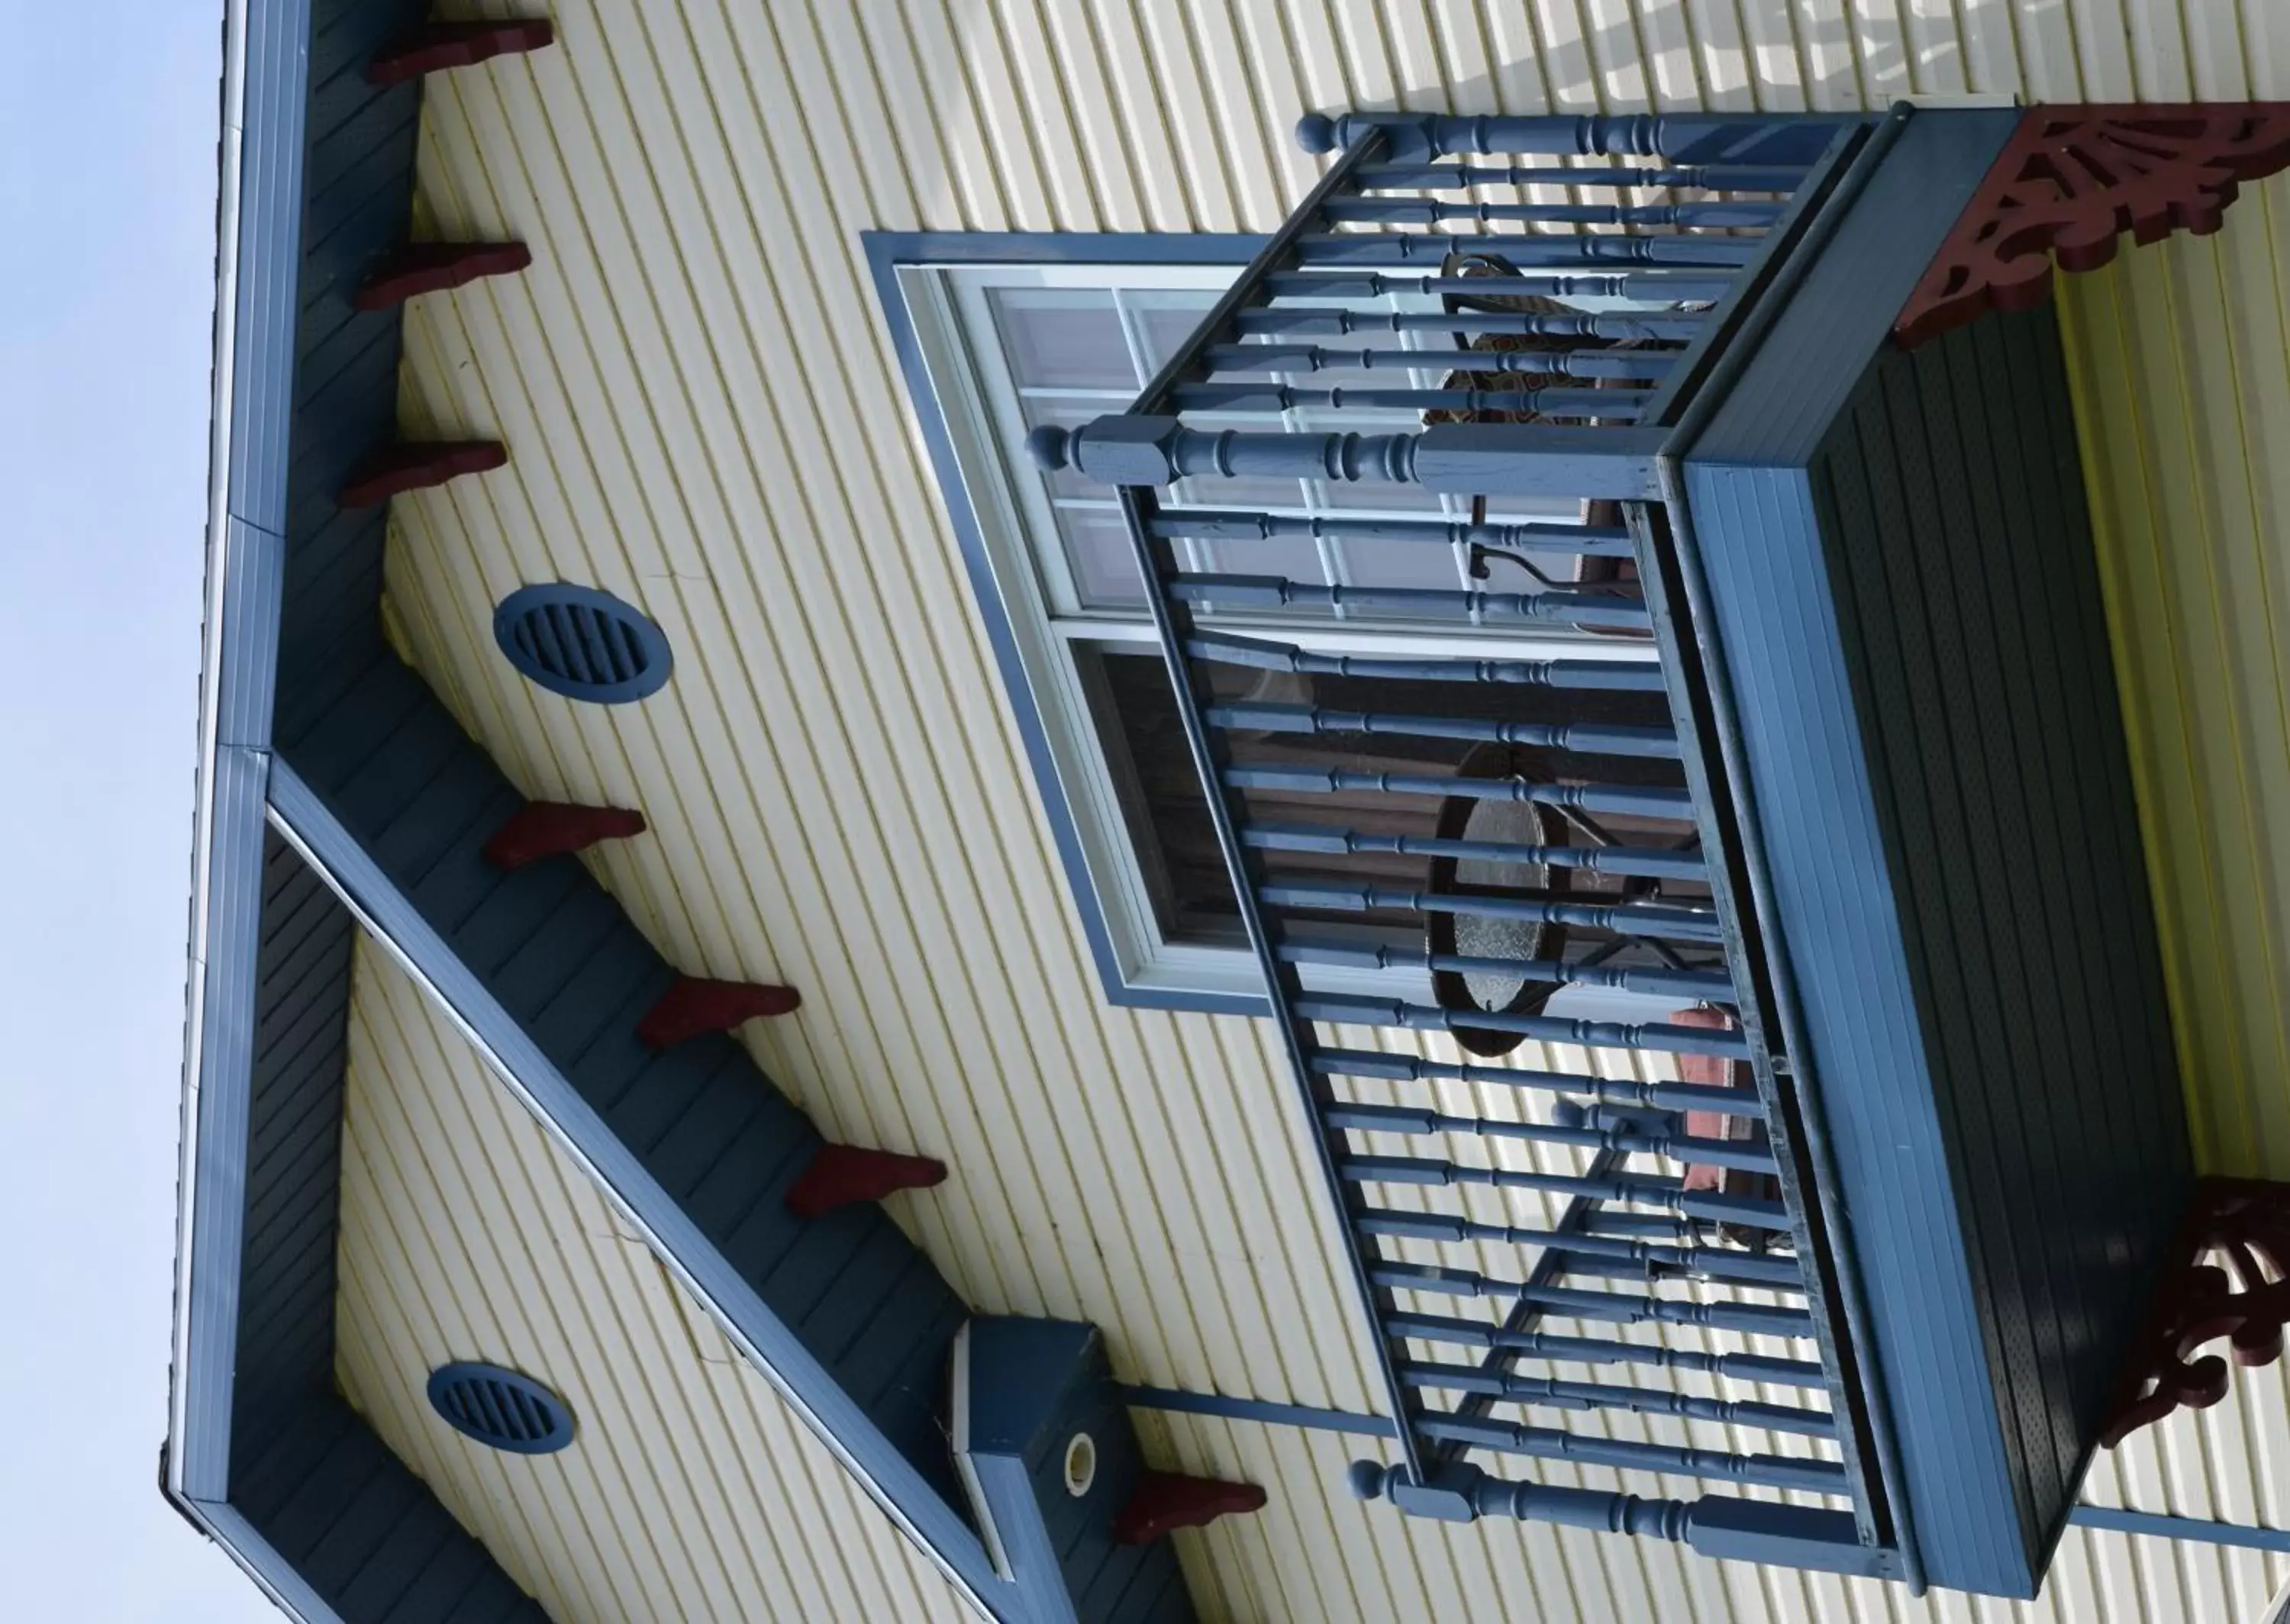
(1296, 557)
(1401, 563)
(1168, 819)
(1063, 338)
(1379, 495)
(1097, 549)
(1249, 491)
(1167, 318)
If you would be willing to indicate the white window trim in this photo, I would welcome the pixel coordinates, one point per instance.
(1146, 962)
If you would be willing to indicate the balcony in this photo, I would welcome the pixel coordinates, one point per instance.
(1834, 791)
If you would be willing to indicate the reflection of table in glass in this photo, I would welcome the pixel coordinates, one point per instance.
(1510, 823)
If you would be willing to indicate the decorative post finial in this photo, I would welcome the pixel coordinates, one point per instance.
(1316, 134)
(1365, 1478)
(1046, 445)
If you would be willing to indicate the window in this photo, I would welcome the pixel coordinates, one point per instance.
(1001, 347)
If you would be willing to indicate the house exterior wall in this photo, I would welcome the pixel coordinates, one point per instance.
(704, 416)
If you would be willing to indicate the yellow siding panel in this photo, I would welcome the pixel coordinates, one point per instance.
(2183, 376)
(691, 1491)
(704, 417)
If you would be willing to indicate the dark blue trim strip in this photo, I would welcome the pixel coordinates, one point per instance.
(886, 252)
(214, 1204)
(2242, 1536)
(1262, 1410)
(343, 862)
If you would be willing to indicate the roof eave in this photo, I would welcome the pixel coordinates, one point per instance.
(258, 224)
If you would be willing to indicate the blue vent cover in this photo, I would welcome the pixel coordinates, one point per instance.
(581, 643)
(500, 1408)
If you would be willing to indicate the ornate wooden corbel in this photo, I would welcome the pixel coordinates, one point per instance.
(2075, 177)
(693, 1006)
(2247, 1300)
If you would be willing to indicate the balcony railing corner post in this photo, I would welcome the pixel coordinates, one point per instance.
(1409, 138)
(1123, 449)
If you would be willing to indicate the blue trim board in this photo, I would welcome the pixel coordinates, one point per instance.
(889, 250)
(1023, 1389)
(244, 555)
(886, 252)
(1309, 1416)
(216, 1117)
(2155, 1525)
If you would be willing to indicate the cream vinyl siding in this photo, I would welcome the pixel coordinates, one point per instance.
(704, 416)
(2182, 366)
(691, 1491)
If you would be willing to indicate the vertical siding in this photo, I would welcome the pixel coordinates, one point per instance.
(703, 417)
(2182, 366)
(691, 1491)
(1996, 754)
(293, 1144)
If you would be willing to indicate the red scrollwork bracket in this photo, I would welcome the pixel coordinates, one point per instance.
(2247, 1300)
(2074, 177)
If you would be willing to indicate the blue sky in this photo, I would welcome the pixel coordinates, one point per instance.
(108, 127)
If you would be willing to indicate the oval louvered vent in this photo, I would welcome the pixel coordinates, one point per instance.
(581, 643)
(500, 1408)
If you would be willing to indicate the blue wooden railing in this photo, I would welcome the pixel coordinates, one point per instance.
(1621, 828)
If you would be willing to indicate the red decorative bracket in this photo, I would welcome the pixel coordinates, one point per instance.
(436, 45)
(547, 828)
(842, 1174)
(2070, 180)
(416, 465)
(432, 268)
(1164, 1501)
(2247, 1222)
(693, 1006)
